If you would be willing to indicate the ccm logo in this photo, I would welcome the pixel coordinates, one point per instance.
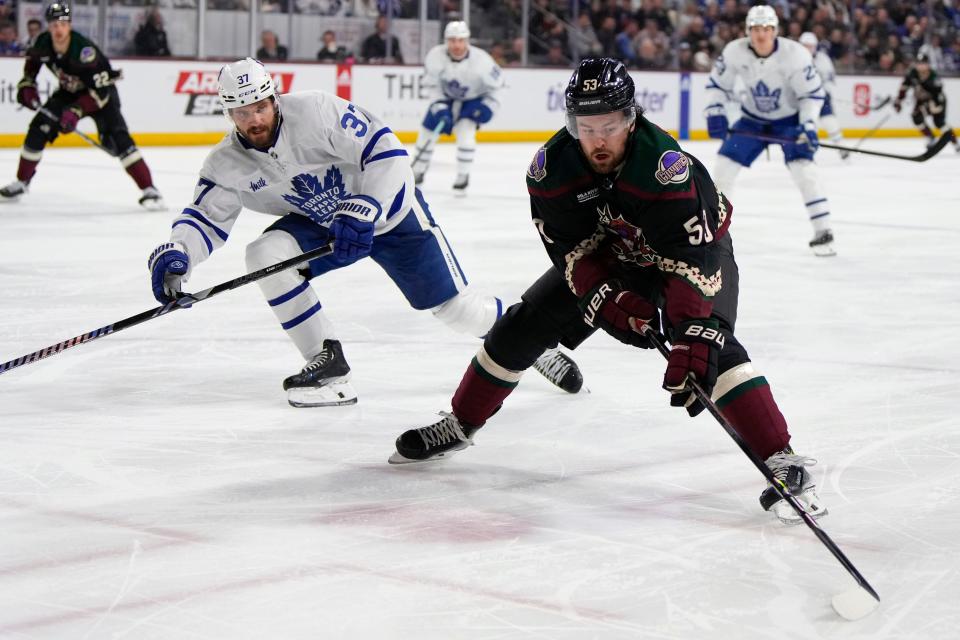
(595, 303)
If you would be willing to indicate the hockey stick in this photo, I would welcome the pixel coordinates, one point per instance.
(872, 131)
(884, 101)
(434, 136)
(56, 120)
(853, 604)
(184, 301)
(931, 151)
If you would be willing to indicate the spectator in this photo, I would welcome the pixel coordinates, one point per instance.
(374, 47)
(331, 51)
(624, 50)
(554, 57)
(607, 35)
(8, 40)
(34, 29)
(270, 48)
(151, 39)
(685, 57)
(583, 39)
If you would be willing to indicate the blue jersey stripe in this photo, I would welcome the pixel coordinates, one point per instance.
(392, 153)
(374, 139)
(397, 202)
(199, 230)
(193, 213)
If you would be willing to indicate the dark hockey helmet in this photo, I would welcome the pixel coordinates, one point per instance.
(922, 58)
(57, 11)
(599, 85)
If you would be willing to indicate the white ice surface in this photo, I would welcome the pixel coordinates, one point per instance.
(155, 484)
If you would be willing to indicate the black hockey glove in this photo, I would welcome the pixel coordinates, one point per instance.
(621, 313)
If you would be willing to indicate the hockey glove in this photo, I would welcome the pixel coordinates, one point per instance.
(352, 228)
(480, 110)
(439, 114)
(717, 126)
(621, 313)
(27, 94)
(807, 137)
(694, 352)
(168, 264)
(69, 119)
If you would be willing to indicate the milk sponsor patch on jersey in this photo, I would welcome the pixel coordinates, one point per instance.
(316, 199)
(538, 167)
(672, 168)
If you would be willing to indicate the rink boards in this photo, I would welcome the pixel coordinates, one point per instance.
(173, 102)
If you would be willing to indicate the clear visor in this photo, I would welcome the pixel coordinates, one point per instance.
(601, 126)
(242, 116)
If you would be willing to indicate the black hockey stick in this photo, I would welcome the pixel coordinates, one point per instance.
(852, 605)
(931, 151)
(884, 101)
(184, 301)
(56, 121)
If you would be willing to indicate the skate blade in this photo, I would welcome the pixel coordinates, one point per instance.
(824, 251)
(338, 394)
(809, 500)
(154, 205)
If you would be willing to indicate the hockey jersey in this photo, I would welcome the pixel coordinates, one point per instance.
(783, 84)
(82, 71)
(828, 73)
(328, 155)
(659, 213)
(475, 76)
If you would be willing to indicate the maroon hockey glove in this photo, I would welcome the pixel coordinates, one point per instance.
(27, 96)
(69, 119)
(694, 352)
(621, 313)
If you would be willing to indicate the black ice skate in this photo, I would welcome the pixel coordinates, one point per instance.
(439, 440)
(460, 184)
(560, 369)
(13, 191)
(788, 467)
(323, 382)
(152, 200)
(822, 244)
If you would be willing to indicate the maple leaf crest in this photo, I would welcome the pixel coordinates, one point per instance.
(765, 99)
(316, 200)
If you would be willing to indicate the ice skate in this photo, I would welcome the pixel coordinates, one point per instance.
(438, 440)
(13, 191)
(460, 184)
(152, 200)
(788, 467)
(323, 382)
(560, 369)
(822, 244)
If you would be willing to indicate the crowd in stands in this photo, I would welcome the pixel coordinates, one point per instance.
(862, 36)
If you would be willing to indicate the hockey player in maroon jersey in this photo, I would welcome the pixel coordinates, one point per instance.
(638, 235)
(86, 88)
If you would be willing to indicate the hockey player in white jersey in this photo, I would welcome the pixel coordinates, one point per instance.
(828, 74)
(464, 82)
(331, 172)
(783, 100)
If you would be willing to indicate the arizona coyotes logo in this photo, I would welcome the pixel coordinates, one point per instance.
(632, 246)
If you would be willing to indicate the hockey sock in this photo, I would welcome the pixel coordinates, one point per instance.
(927, 131)
(28, 165)
(744, 398)
(140, 173)
(482, 390)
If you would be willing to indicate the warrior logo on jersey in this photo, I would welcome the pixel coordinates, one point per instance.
(538, 168)
(765, 99)
(316, 200)
(672, 167)
(455, 90)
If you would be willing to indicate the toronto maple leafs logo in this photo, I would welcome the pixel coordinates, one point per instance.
(316, 200)
(455, 90)
(765, 99)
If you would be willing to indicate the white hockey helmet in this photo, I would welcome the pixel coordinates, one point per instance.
(762, 15)
(244, 82)
(808, 39)
(456, 29)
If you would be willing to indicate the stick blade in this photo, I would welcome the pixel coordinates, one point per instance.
(854, 604)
